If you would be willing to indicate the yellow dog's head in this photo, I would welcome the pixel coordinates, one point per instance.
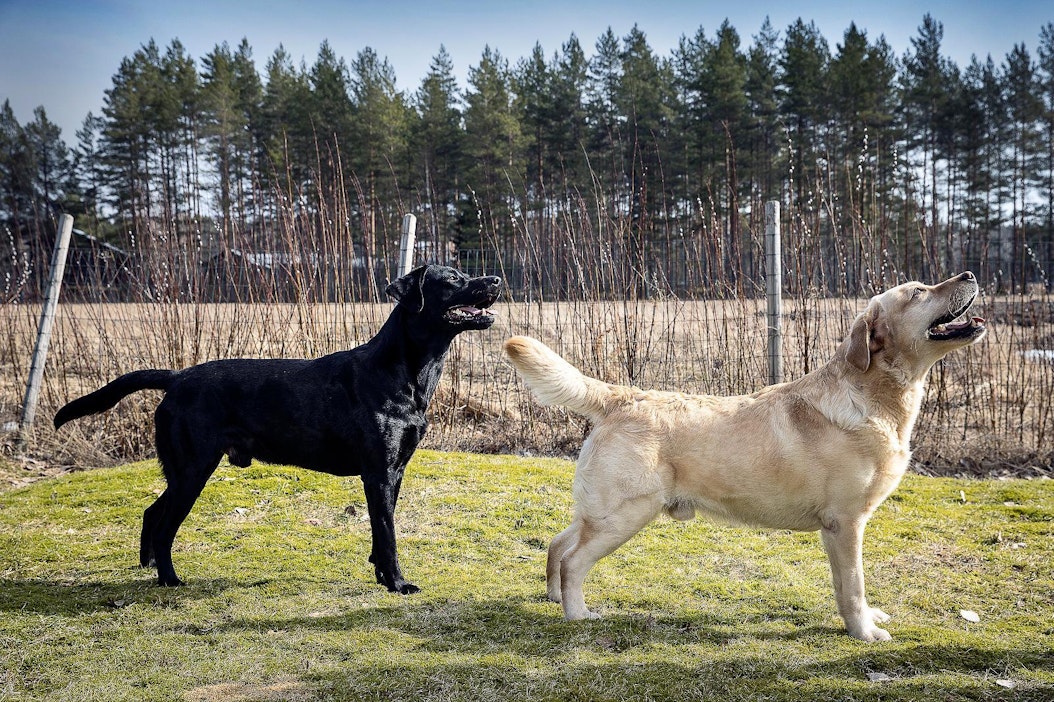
(912, 326)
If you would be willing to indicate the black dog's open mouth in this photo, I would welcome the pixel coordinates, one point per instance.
(475, 313)
(470, 304)
(946, 328)
(466, 312)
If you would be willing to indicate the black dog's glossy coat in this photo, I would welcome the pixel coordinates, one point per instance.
(358, 412)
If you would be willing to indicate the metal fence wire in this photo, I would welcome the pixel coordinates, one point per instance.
(678, 312)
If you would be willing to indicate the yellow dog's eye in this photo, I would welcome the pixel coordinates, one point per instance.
(916, 293)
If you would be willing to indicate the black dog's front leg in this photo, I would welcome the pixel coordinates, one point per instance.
(380, 501)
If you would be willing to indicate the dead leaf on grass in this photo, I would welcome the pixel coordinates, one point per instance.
(970, 615)
(878, 677)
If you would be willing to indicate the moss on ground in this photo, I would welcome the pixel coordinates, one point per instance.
(281, 604)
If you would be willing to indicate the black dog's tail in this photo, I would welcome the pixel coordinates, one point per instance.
(110, 394)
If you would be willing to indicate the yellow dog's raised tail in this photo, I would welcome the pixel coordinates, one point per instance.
(554, 381)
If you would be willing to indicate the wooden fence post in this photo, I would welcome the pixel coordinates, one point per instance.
(773, 289)
(47, 319)
(406, 244)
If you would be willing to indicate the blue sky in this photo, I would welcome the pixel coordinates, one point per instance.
(63, 54)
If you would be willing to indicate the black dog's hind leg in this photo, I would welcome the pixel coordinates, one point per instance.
(188, 461)
(146, 539)
(179, 498)
(380, 501)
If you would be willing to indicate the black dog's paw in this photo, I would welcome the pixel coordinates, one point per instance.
(406, 588)
(396, 584)
(169, 582)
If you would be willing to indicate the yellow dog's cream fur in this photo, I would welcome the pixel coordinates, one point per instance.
(819, 453)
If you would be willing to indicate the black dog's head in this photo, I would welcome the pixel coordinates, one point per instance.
(448, 296)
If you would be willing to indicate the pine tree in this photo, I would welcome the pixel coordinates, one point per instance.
(223, 123)
(715, 120)
(762, 164)
(567, 122)
(925, 96)
(722, 85)
(804, 65)
(178, 106)
(16, 186)
(492, 137)
(438, 146)
(645, 98)
(1025, 110)
(862, 143)
(552, 123)
(378, 135)
(125, 145)
(286, 131)
(804, 71)
(52, 160)
(967, 122)
(249, 166)
(88, 170)
(1046, 92)
(533, 101)
(331, 108)
(994, 100)
(605, 123)
(687, 62)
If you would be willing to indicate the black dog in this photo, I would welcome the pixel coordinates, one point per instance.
(358, 412)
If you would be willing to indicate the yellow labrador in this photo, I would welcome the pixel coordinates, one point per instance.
(819, 453)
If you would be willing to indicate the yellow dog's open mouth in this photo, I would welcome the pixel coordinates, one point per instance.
(957, 330)
(946, 328)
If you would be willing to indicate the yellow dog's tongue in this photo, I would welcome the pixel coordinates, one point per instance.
(957, 326)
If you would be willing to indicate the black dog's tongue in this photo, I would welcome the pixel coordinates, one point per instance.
(469, 309)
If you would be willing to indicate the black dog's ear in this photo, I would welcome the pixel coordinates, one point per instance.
(409, 290)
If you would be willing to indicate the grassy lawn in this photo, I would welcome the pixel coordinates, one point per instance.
(281, 604)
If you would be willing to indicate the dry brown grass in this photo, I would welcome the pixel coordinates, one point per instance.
(988, 408)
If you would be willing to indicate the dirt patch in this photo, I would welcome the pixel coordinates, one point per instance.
(281, 691)
(19, 470)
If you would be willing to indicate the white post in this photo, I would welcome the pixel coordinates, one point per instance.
(773, 289)
(406, 245)
(47, 319)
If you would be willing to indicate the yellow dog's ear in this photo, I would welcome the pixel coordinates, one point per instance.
(865, 338)
(857, 352)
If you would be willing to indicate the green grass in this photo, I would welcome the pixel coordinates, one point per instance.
(281, 604)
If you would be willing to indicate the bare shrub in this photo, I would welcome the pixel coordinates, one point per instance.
(670, 311)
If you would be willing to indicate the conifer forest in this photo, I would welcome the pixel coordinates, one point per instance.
(888, 167)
